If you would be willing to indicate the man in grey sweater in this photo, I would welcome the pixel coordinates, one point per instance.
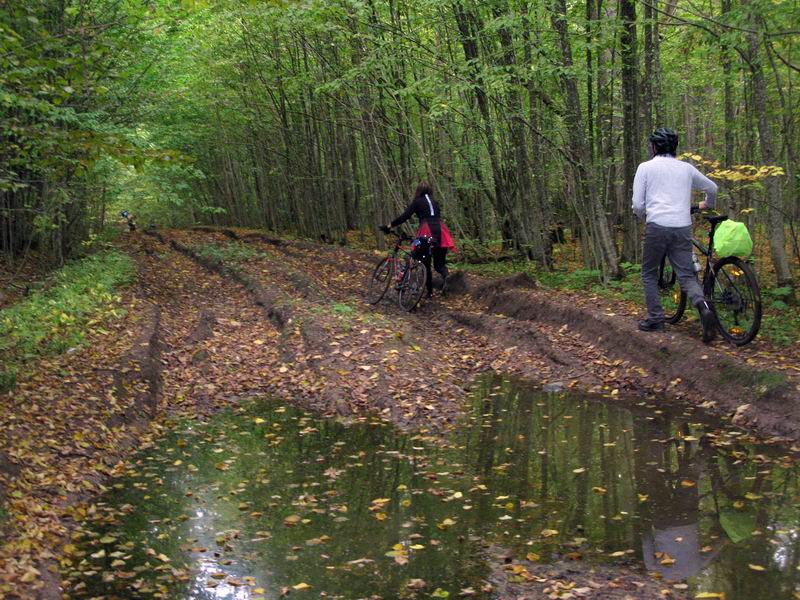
(662, 194)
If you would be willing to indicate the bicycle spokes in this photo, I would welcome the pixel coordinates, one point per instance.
(736, 300)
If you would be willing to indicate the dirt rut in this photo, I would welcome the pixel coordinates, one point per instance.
(674, 365)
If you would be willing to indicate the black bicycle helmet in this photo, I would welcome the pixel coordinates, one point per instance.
(665, 140)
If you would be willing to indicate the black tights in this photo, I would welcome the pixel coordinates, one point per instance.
(439, 263)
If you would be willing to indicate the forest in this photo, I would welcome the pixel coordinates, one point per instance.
(208, 389)
(317, 119)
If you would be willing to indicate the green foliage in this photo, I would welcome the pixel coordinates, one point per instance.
(760, 383)
(8, 380)
(342, 309)
(781, 326)
(55, 317)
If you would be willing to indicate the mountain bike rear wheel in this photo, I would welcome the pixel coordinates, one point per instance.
(380, 280)
(673, 299)
(737, 300)
(413, 285)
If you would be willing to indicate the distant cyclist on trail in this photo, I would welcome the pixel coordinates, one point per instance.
(662, 193)
(430, 226)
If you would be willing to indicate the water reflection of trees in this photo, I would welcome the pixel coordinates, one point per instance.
(662, 488)
(606, 478)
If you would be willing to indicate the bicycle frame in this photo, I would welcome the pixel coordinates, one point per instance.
(707, 253)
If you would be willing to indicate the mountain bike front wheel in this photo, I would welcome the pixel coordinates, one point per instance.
(673, 299)
(737, 300)
(380, 280)
(413, 285)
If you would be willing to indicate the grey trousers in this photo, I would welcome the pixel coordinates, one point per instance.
(676, 243)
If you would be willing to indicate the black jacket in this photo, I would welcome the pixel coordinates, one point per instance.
(426, 209)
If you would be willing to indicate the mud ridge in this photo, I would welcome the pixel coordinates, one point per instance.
(139, 373)
(720, 384)
(137, 386)
(277, 312)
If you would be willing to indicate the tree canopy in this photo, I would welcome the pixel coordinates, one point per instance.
(320, 117)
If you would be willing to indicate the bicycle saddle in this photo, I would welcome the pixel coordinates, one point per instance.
(714, 219)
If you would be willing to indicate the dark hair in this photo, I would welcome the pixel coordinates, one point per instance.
(423, 188)
(665, 140)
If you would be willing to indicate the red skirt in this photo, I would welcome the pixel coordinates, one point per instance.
(447, 240)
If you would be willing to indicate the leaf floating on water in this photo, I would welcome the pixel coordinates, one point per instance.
(687, 483)
(710, 596)
(440, 593)
(416, 584)
(360, 561)
(599, 490)
(549, 532)
(756, 567)
(301, 586)
(579, 470)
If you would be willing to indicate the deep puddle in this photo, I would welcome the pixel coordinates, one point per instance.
(268, 499)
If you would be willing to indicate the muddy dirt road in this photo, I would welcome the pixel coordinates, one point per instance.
(220, 315)
(344, 355)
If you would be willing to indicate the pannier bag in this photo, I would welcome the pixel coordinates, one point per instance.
(731, 238)
(421, 247)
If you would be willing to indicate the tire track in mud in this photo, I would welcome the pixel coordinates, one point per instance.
(412, 367)
(554, 339)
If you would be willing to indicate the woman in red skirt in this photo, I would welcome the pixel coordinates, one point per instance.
(430, 226)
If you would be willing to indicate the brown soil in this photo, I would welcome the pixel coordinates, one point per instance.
(291, 321)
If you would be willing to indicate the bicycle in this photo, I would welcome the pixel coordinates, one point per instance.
(401, 269)
(729, 284)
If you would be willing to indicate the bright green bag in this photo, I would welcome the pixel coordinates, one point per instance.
(731, 238)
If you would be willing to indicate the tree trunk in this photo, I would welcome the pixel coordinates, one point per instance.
(602, 240)
(630, 132)
(775, 211)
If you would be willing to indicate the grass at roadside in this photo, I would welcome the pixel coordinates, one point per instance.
(56, 318)
(780, 323)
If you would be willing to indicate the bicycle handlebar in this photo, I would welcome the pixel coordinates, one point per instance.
(400, 234)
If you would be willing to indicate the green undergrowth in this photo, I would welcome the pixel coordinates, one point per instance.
(54, 318)
(780, 322)
(761, 383)
(232, 252)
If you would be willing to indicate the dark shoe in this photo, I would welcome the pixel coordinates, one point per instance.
(649, 325)
(444, 286)
(708, 320)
